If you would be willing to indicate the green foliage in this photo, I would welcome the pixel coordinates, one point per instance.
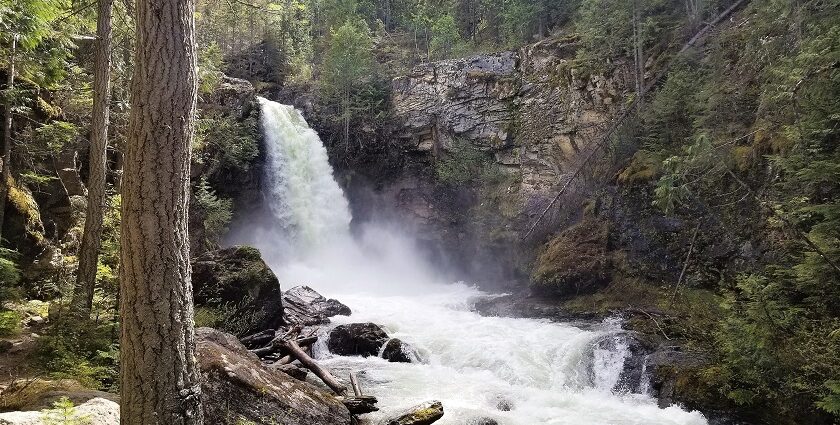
(64, 412)
(217, 212)
(82, 350)
(444, 36)
(9, 274)
(228, 144)
(209, 64)
(9, 323)
(463, 163)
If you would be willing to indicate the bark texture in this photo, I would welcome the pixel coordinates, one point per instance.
(91, 238)
(159, 378)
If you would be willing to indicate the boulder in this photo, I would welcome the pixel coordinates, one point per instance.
(396, 351)
(39, 394)
(304, 306)
(237, 291)
(236, 388)
(357, 339)
(96, 411)
(423, 414)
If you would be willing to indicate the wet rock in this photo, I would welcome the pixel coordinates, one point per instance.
(396, 351)
(305, 306)
(236, 287)
(530, 307)
(423, 414)
(237, 387)
(96, 411)
(357, 339)
(483, 421)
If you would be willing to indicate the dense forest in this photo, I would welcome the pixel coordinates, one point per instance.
(699, 198)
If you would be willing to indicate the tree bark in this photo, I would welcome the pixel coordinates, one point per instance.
(159, 378)
(6, 151)
(91, 238)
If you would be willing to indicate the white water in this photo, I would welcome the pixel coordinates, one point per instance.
(547, 373)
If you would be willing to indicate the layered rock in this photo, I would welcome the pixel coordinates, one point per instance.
(237, 387)
(238, 288)
(305, 306)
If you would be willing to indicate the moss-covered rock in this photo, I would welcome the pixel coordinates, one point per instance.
(234, 289)
(574, 262)
(423, 414)
(237, 388)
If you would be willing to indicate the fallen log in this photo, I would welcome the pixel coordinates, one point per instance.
(276, 346)
(295, 351)
(354, 382)
(259, 339)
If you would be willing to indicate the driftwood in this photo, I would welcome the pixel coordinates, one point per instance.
(360, 405)
(259, 339)
(295, 351)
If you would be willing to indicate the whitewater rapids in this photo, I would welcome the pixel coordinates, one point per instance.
(514, 371)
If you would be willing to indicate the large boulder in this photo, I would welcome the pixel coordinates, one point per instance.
(357, 339)
(96, 411)
(237, 388)
(304, 306)
(576, 261)
(39, 394)
(423, 414)
(235, 290)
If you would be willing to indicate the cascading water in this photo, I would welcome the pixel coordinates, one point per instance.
(514, 371)
(300, 190)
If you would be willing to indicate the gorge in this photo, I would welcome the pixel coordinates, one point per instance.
(536, 370)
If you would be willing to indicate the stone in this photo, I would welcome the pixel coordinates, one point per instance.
(291, 370)
(39, 394)
(396, 351)
(357, 339)
(236, 285)
(305, 306)
(5, 345)
(96, 411)
(35, 321)
(423, 414)
(236, 387)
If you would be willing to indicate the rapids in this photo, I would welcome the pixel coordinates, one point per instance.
(515, 371)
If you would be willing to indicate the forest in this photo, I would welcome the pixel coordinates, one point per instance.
(555, 211)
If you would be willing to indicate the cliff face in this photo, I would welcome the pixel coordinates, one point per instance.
(526, 117)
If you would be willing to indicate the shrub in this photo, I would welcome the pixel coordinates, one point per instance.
(81, 350)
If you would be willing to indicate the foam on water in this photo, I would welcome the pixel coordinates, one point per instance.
(538, 372)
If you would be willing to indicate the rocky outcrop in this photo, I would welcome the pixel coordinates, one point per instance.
(305, 306)
(39, 394)
(237, 388)
(237, 288)
(357, 339)
(423, 414)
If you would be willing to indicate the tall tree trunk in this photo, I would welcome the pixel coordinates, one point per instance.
(158, 371)
(89, 250)
(6, 151)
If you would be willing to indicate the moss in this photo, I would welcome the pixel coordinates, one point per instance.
(643, 168)
(575, 261)
(744, 157)
(23, 393)
(22, 201)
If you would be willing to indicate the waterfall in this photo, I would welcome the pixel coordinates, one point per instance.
(512, 371)
(300, 189)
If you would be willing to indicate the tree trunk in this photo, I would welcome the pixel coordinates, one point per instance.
(159, 378)
(91, 238)
(6, 151)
